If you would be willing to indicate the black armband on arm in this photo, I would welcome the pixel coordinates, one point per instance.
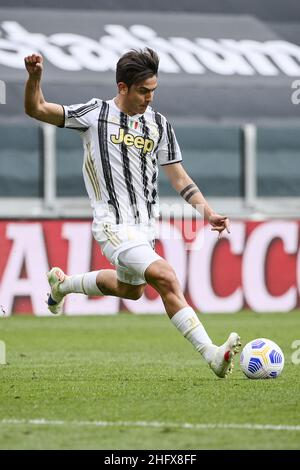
(189, 191)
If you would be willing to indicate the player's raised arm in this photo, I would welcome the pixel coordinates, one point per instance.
(35, 104)
(187, 189)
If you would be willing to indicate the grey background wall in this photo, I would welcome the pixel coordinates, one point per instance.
(207, 110)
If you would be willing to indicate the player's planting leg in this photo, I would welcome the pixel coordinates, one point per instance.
(94, 283)
(98, 283)
(55, 299)
(162, 277)
(61, 285)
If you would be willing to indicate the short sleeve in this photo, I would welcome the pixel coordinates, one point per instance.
(168, 150)
(79, 116)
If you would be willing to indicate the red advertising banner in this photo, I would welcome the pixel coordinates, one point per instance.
(256, 266)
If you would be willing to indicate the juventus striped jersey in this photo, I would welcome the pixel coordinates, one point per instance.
(121, 158)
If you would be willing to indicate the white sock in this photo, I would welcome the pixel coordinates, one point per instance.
(81, 284)
(187, 322)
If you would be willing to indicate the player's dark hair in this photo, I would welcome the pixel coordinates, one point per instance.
(136, 66)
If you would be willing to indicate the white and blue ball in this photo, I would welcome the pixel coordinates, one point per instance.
(262, 359)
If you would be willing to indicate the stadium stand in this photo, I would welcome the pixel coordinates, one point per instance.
(224, 65)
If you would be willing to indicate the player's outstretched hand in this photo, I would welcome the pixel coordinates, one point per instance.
(34, 65)
(219, 223)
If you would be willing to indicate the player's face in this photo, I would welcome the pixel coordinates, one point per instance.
(140, 95)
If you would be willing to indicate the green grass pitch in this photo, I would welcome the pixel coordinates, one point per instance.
(133, 382)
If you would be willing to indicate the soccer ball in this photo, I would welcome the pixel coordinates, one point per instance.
(262, 359)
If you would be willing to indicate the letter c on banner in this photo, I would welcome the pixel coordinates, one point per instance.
(200, 283)
(254, 260)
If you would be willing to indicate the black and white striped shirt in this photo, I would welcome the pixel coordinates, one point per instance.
(121, 158)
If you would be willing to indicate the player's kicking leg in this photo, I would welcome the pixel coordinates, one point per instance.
(222, 363)
(220, 359)
(161, 276)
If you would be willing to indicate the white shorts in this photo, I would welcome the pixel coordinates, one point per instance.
(129, 248)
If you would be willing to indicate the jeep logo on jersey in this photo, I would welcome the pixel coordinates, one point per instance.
(129, 140)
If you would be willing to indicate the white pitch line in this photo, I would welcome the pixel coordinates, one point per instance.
(154, 424)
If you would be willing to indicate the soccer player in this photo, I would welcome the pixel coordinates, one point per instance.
(124, 142)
